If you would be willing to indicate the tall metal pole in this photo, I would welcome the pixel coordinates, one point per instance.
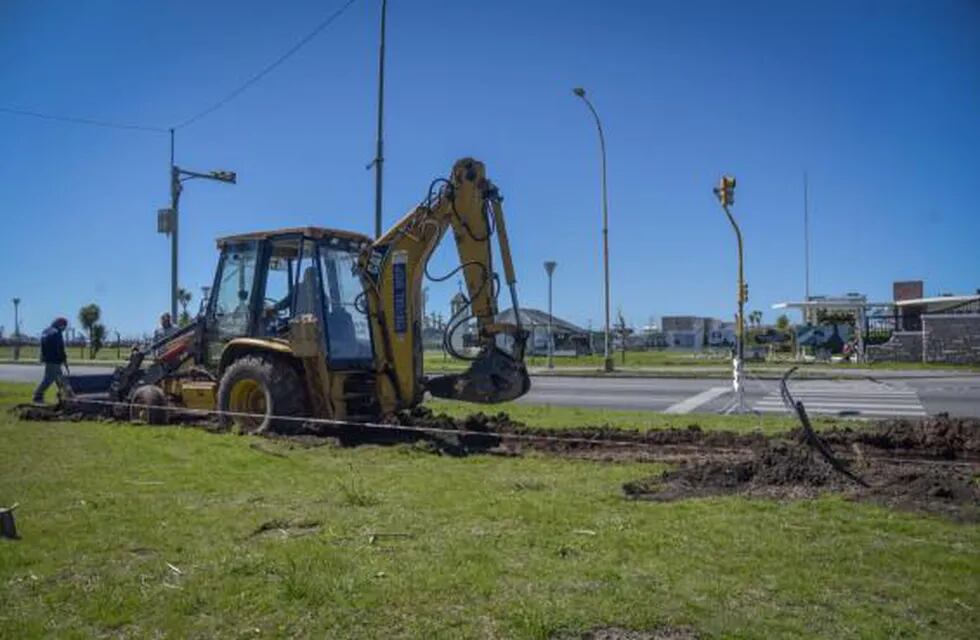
(806, 236)
(607, 357)
(740, 326)
(174, 198)
(16, 328)
(726, 196)
(379, 157)
(549, 266)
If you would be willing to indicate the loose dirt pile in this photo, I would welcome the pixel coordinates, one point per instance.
(789, 470)
(942, 437)
(498, 433)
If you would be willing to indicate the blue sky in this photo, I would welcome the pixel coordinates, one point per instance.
(877, 101)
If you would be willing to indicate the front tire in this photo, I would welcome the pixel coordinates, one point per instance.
(149, 405)
(255, 389)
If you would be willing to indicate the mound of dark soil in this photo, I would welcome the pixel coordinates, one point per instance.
(941, 436)
(794, 471)
(572, 440)
(44, 413)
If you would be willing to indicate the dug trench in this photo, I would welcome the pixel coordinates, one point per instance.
(930, 465)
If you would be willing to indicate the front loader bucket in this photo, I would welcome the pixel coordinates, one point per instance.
(493, 377)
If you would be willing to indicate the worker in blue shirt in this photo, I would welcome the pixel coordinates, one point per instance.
(53, 356)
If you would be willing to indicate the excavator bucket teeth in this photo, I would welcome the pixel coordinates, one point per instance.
(493, 377)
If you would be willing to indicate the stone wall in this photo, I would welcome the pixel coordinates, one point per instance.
(953, 338)
(950, 338)
(903, 346)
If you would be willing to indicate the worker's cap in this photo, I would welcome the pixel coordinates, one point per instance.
(60, 322)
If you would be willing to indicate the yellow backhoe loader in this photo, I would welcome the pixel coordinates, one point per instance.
(314, 322)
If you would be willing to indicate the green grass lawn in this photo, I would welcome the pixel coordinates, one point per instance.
(555, 417)
(151, 532)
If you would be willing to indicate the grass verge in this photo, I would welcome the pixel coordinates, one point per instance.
(557, 417)
(172, 532)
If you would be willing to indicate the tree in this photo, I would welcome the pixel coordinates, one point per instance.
(755, 318)
(88, 317)
(783, 323)
(97, 338)
(184, 298)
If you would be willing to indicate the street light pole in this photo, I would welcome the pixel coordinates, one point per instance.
(174, 199)
(170, 216)
(549, 266)
(16, 328)
(379, 155)
(725, 192)
(580, 92)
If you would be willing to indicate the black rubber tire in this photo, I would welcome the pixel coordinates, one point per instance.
(144, 400)
(283, 389)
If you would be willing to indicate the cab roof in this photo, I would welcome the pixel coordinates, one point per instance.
(316, 233)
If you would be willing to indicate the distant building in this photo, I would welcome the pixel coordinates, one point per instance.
(685, 332)
(570, 339)
(911, 327)
(653, 337)
(695, 332)
(458, 339)
(720, 333)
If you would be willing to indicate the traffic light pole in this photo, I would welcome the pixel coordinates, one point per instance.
(726, 196)
(740, 325)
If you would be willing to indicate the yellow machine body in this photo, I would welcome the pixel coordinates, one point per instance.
(327, 323)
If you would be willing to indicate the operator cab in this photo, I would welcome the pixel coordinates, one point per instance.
(264, 280)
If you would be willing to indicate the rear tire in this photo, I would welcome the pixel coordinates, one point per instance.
(148, 406)
(263, 386)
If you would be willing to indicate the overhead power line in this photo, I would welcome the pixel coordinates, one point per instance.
(201, 114)
(269, 68)
(85, 121)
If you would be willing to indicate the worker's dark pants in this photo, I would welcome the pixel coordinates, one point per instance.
(52, 373)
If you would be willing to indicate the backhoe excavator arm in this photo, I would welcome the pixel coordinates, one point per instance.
(393, 269)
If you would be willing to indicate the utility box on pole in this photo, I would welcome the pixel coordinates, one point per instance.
(165, 221)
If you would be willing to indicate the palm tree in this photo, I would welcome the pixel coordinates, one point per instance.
(184, 298)
(755, 318)
(88, 317)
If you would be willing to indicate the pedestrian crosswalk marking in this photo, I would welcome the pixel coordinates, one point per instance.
(850, 398)
(689, 404)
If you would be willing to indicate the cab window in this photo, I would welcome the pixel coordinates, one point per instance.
(232, 301)
(348, 332)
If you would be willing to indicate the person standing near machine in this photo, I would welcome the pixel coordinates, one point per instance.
(166, 327)
(53, 356)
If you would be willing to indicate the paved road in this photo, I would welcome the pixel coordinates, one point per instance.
(916, 395)
(32, 372)
(957, 395)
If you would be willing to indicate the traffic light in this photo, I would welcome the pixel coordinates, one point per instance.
(725, 191)
(745, 292)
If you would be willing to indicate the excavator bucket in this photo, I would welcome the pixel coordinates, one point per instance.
(494, 376)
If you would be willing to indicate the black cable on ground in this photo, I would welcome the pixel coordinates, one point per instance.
(810, 436)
